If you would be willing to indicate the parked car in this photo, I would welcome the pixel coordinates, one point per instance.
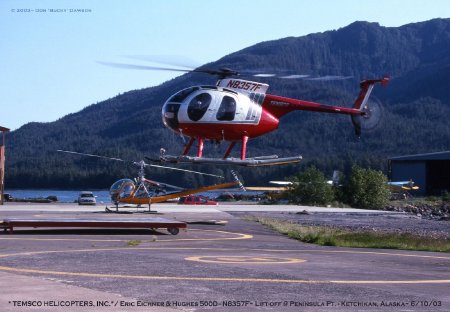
(86, 198)
(196, 200)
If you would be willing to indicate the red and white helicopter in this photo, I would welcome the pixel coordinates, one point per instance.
(237, 110)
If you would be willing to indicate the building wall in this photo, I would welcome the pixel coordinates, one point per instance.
(402, 170)
(438, 177)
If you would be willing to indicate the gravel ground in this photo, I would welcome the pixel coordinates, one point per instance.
(389, 222)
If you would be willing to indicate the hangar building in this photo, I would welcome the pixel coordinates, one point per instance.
(431, 172)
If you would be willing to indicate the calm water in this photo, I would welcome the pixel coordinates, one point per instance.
(102, 196)
(63, 196)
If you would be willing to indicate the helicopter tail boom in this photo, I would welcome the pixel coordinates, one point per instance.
(279, 106)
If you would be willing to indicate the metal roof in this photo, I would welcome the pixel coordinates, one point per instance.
(428, 156)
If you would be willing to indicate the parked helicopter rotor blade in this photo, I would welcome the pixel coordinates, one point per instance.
(157, 183)
(139, 163)
(185, 170)
(91, 155)
(171, 186)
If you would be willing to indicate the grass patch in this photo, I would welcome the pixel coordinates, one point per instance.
(133, 243)
(327, 236)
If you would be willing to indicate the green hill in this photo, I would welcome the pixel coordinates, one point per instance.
(416, 109)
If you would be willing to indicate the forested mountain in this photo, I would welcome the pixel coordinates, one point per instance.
(416, 111)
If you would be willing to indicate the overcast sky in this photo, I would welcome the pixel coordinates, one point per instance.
(49, 49)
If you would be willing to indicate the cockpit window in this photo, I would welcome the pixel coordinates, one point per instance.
(227, 109)
(198, 106)
(170, 115)
(121, 189)
(182, 95)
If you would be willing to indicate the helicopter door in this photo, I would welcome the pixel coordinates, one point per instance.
(227, 109)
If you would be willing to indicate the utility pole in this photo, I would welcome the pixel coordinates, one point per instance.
(3, 130)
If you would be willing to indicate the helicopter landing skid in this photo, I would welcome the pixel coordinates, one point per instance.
(248, 162)
(116, 210)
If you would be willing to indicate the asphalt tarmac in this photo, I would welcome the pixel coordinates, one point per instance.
(239, 266)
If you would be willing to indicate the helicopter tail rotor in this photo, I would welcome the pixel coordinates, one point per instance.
(371, 117)
(370, 110)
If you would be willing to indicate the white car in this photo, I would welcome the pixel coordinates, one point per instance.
(86, 198)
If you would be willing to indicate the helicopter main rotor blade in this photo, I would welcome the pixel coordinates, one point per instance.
(294, 76)
(222, 72)
(143, 67)
(185, 170)
(171, 60)
(302, 77)
(91, 155)
(328, 78)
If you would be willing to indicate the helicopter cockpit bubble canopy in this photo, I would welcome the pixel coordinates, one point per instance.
(172, 106)
(211, 105)
(122, 188)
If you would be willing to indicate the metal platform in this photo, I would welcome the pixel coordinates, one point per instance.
(248, 162)
(173, 227)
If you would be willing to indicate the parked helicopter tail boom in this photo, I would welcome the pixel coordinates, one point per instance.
(166, 197)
